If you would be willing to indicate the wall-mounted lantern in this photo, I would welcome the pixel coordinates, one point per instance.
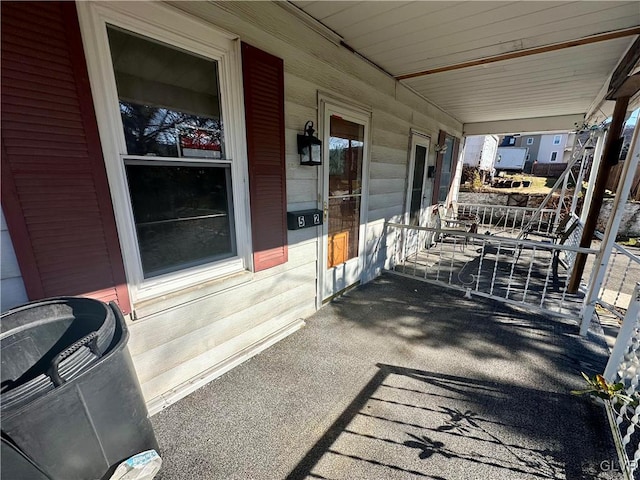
(309, 147)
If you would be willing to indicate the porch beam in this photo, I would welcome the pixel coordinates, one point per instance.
(524, 125)
(609, 159)
(623, 83)
(601, 37)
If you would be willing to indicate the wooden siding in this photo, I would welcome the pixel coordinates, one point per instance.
(179, 336)
(614, 179)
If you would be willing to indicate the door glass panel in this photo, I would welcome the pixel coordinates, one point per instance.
(447, 165)
(346, 144)
(416, 188)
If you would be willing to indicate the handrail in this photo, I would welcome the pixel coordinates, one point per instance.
(519, 272)
(619, 248)
(485, 205)
(493, 238)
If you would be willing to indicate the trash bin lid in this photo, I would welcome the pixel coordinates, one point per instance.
(45, 343)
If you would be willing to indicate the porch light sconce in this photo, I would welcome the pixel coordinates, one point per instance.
(440, 148)
(309, 147)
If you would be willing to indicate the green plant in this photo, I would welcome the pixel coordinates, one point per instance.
(631, 242)
(476, 182)
(600, 388)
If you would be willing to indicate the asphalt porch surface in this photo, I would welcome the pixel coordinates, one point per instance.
(400, 379)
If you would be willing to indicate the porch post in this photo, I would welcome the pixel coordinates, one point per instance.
(454, 189)
(578, 187)
(563, 192)
(595, 166)
(611, 153)
(602, 259)
(624, 336)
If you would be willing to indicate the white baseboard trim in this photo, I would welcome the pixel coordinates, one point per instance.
(161, 402)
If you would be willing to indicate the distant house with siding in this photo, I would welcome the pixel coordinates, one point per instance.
(548, 148)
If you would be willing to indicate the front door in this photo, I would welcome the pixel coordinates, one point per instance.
(420, 187)
(345, 152)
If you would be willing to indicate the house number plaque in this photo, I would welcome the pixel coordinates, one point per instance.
(304, 219)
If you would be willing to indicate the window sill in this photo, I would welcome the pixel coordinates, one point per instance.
(154, 304)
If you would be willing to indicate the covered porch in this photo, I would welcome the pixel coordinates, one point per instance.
(391, 381)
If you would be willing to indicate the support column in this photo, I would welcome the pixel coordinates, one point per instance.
(625, 334)
(595, 166)
(578, 188)
(602, 259)
(610, 158)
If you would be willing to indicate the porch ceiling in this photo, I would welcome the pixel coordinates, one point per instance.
(406, 38)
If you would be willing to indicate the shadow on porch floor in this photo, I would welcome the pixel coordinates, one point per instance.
(399, 379)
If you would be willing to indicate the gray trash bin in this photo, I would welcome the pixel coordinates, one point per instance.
(72, 408)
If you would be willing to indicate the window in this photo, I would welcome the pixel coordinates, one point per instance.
(554, 157)
(557, 139)
(168, 96)
(529, 140)
(177, 173)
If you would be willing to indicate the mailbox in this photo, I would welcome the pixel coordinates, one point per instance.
(304, 219)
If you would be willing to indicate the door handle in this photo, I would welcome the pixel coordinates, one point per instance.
(325, 210)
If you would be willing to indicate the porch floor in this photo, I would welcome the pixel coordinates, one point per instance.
(400, 379)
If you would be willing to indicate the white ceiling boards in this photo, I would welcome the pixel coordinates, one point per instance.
(559, 55)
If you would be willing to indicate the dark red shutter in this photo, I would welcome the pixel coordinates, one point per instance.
(442, 136)
(263, 78)
(55, 193)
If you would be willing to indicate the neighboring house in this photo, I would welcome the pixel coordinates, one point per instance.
(532, 142)
(150, 158)
(548, 148)
(553, 149)
(480, 151)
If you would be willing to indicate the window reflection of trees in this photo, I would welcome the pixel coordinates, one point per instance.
(154, 130)
(345, 162)
(337, 153)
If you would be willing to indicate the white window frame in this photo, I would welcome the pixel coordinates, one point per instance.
(552, 159)
(557, 139)
(529, 140)
(169, 26)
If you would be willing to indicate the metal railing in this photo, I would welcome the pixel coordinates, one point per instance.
(622, 270)
(523, 273)
(507, 219)
(624, 367)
